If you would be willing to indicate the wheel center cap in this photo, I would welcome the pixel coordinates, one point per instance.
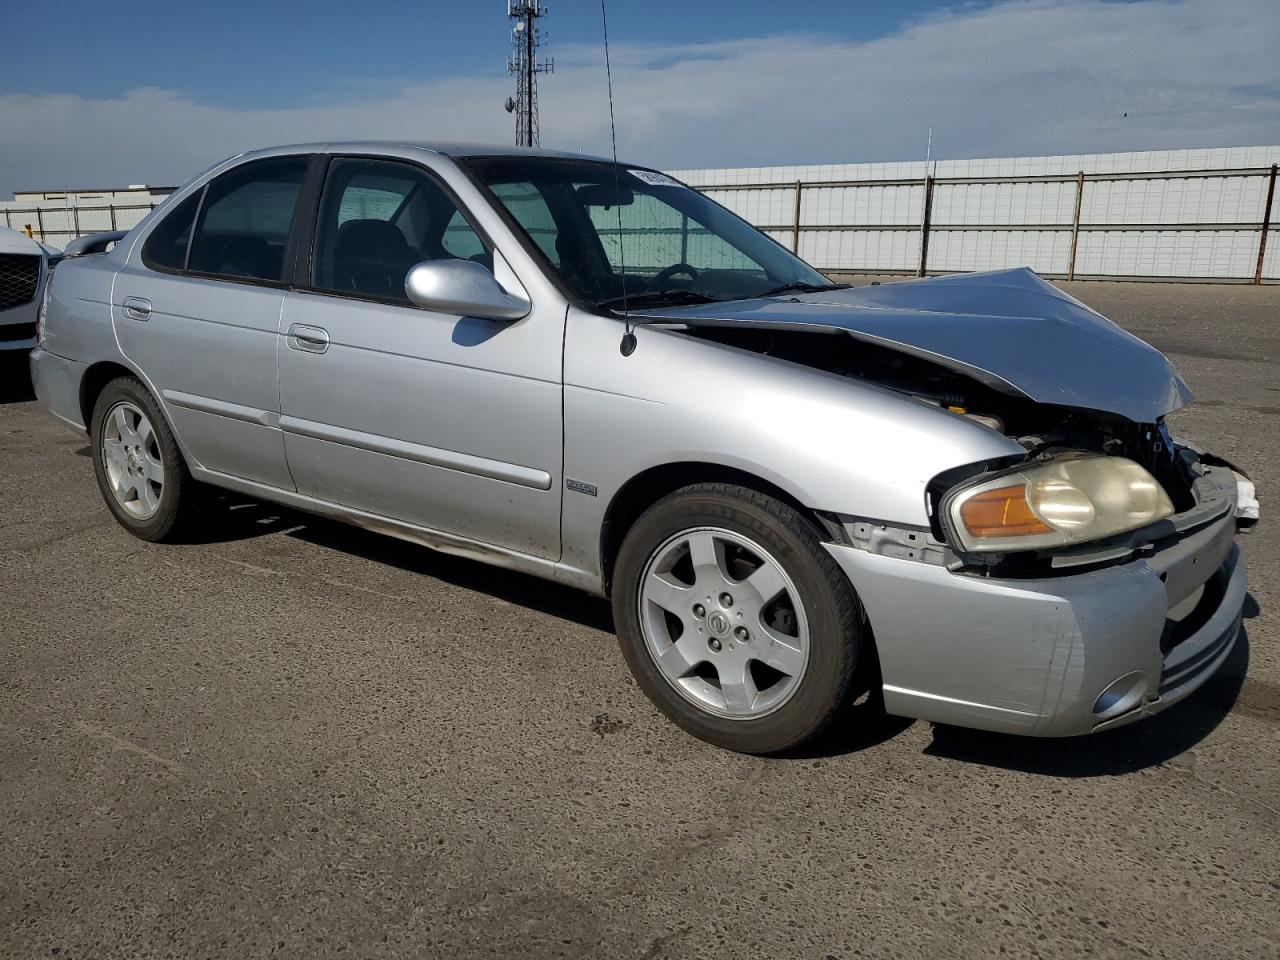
(718, 623)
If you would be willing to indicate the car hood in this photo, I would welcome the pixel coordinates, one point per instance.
(1007, 329)
(11, 241)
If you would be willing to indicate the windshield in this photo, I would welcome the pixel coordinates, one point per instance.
(610, 232)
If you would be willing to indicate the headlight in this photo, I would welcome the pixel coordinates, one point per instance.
(43, 309)
(1070, 500)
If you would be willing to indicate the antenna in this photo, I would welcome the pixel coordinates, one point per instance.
(524, 63)
(628, 344)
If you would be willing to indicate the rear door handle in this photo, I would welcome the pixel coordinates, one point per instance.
(136, 308)
(309, 339)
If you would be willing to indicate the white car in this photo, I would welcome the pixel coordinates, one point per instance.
(24, 267)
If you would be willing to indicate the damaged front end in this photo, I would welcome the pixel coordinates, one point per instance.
(1088, 578)
(1014, 353)
(1065, 510)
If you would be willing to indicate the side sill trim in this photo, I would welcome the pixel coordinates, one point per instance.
(432, 456)
(221, 408)
(424, 536)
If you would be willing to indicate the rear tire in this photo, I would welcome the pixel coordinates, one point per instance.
(735, 620)
(140, 470)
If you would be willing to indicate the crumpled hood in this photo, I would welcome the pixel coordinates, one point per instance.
(1007, 329)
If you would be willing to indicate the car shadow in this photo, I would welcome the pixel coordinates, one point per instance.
(524, 589)
(230, 516)
(863, 726)
(15, 379)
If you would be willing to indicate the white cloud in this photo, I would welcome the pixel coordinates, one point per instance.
(1013, 77)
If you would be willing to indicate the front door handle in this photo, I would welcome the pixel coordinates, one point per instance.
(309, 339)
(136, 308)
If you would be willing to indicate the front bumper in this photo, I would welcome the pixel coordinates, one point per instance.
(1058, 656)
(18, 327)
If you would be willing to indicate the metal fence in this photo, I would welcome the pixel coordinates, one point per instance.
(1157, 225)
(59, 224)
(1210, 224)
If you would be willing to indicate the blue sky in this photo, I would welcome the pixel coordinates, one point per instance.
(149, 92)
(242, 53)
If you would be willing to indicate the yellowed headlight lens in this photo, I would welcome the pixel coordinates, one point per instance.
(1056, 503)
(1062, 504)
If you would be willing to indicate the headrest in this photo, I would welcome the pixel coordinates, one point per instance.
(371, 239)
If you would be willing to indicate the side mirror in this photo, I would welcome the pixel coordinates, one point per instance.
(462, 288)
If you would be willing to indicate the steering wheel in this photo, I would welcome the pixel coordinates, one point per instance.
(666, 273)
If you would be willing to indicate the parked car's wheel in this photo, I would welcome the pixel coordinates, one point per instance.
(140, 470)
(734, 619)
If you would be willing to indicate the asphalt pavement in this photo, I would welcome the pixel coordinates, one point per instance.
(299, 739)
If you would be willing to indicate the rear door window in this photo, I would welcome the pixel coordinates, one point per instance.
(244, 224)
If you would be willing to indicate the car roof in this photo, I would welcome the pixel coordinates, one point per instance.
(496, 150)
(444, 148)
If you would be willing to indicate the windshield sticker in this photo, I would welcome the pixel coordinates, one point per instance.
(654, 179)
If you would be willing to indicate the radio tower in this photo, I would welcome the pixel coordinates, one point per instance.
(524, 63)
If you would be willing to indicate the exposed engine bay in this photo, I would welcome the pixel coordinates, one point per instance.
(1042, 429)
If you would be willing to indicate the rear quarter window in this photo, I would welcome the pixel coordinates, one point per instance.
(166, 246)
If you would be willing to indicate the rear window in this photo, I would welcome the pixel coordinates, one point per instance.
(245, 220)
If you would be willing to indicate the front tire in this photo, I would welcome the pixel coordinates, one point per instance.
(734, 619)
(140, 470)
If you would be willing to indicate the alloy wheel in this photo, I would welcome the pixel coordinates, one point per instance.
(724, 623)
(131, 456)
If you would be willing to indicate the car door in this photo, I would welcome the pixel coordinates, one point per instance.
(446, 422)
(197, 309)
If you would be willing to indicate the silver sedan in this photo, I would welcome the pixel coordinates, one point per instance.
(957, 495)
